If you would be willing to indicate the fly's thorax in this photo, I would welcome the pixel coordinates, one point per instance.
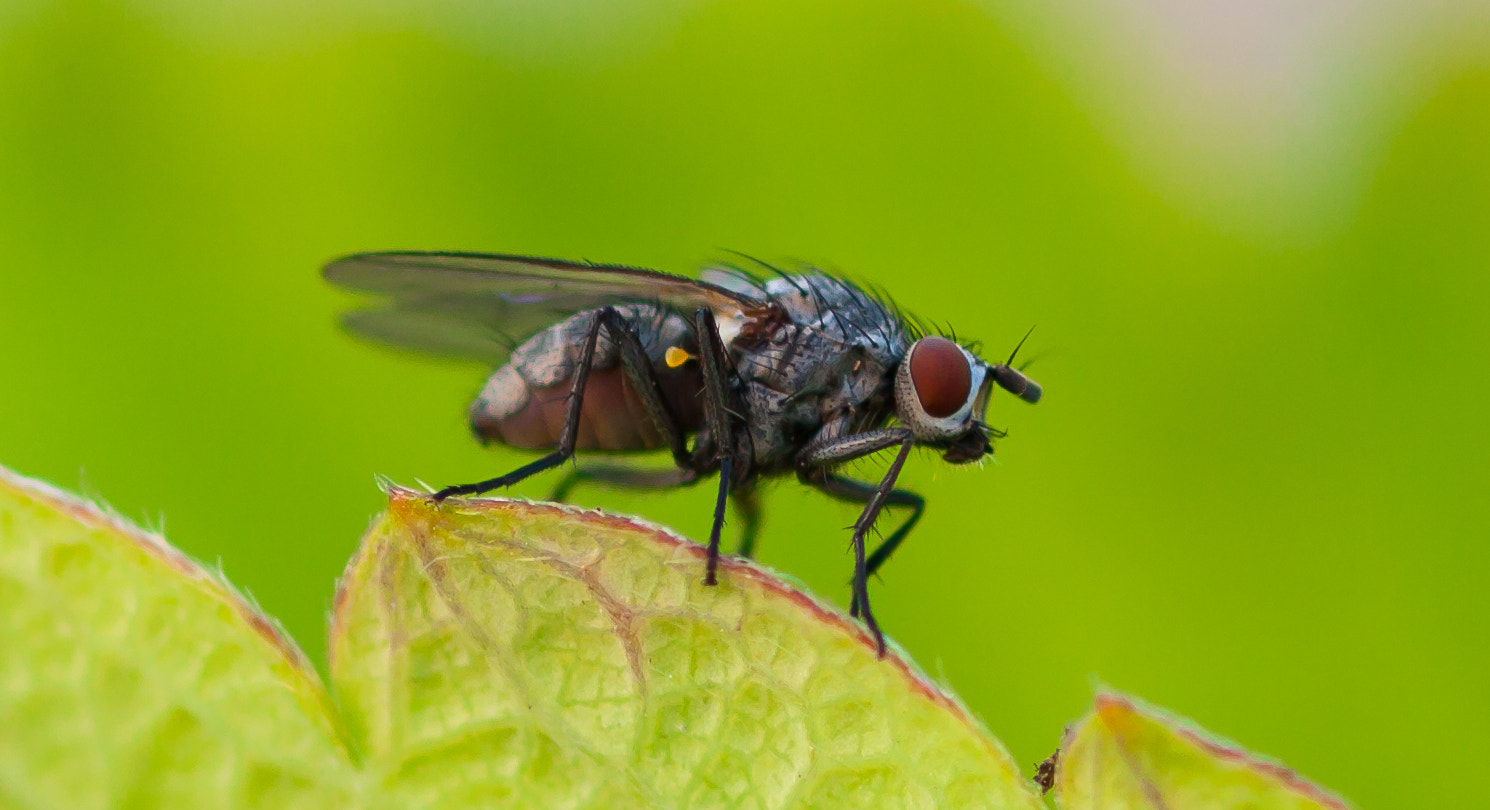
(799, 379)
(940, 390)
(839, 310)
(864, 377)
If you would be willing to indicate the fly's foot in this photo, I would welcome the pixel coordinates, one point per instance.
(561, 492)
(472, 489)
(451, 491)
(859, 609)
(879, 637)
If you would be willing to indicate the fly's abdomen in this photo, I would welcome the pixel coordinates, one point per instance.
(525, 402)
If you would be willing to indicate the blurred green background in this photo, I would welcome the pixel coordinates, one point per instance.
(1255, 239)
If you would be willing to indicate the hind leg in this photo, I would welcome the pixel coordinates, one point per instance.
(643, 380)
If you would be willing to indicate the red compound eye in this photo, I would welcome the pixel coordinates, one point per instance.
(940, 375)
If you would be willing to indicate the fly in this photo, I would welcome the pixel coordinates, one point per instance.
(785, 374)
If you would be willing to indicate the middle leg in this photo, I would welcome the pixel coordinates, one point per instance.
(720, 423)
(746, 502)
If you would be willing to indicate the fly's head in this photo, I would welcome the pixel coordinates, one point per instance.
(941, 394)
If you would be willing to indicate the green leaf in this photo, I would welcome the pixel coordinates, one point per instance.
(498, 650)
(130, 676)
(483, 653)
(1125, 756)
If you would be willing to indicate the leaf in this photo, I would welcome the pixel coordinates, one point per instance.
(1123, 756)
(495, 651)
(484, 652)
(130, 676)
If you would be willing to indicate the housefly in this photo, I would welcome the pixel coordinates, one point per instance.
(771, 374)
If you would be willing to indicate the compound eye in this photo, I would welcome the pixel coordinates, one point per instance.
(941, 376)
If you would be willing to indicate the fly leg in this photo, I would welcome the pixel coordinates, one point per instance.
(643, 378)
(714, 363)
(623, 478)
(644, 382)
(814, 460)
(848, 489)
(749, 507)
(746, 504)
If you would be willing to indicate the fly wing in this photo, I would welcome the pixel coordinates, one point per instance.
(479, 305)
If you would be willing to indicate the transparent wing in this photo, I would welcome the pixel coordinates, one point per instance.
(479, 305)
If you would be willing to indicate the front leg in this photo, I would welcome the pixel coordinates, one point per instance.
(847, 448)
(854, 491)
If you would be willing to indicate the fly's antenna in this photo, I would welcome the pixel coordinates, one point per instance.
(1019, 346)
(1012, 380)
(1028, 361)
